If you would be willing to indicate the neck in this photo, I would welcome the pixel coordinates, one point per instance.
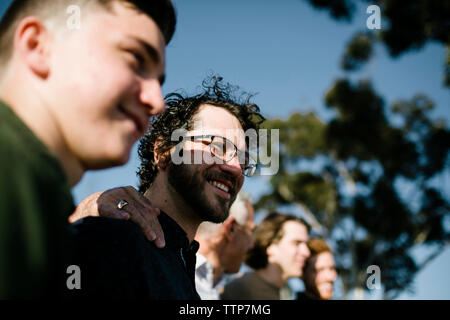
(34, 112)
(164, 197)
(272, 274)
(312, 294)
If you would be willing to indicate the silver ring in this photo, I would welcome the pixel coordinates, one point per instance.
(121, 204)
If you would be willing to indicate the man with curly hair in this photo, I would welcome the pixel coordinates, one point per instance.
(114, 255)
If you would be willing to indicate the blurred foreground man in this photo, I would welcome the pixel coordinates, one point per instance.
(223, 248)
(279, 253)
(71, 100)
(205, 132)
(319, 273)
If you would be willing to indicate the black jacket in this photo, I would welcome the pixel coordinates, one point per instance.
(118, 262)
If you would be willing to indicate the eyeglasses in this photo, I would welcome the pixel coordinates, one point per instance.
(226, 150)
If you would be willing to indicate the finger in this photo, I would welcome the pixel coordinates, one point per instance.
(111, 211)
(144, 215)
(151, 217)
(138, 216)
(138, 197)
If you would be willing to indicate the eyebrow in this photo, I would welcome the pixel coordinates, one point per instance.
(153, 54)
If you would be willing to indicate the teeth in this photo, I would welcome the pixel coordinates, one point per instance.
(221, 186)
(327, 285)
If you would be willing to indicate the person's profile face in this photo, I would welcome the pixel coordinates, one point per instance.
(241, 241)
(320, 275)
(209, 187)
(106, 78)
(291, 251)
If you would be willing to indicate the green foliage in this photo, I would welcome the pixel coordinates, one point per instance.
(414, 23)
(303, 134)
(406, 25)
(374, 192)
(339, 9)
(363, 149)
(358, 51)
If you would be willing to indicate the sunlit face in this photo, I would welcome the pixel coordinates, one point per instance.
(106, 83)
(320, 275)
(209, 187)
(291, 252)
(241, 241)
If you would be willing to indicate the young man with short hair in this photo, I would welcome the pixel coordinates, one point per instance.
(71, 100)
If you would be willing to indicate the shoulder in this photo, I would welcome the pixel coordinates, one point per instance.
(27, 166)
(115, 258)
(238, 288)
(14, 140)
(245, 278)
(21, 150)
(100, 231)
(109, 254)
(112, 240)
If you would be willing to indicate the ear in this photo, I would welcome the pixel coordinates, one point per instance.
(270, 249)
(229, 228)
(161, 159)
(32, 42)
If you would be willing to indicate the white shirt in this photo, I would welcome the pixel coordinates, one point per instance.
(204, 280)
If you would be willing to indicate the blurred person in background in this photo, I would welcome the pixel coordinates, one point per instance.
(223, 248)
(278, 254)
(319, 272)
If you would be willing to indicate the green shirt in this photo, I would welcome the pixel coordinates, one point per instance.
(35, 202)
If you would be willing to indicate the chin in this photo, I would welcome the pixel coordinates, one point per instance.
(326, 295)
(120, 156)
(120, 161)
(107, 162)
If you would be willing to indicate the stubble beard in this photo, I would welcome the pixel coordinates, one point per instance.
(191, 184)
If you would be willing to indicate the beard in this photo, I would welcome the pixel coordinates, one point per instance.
(191, 183)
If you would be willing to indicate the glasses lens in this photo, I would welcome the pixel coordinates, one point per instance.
(223, 148)
(218, 148)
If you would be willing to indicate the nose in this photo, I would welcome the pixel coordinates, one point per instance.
(332, 275)
(151, 96)
(305, 250)
(233, 167)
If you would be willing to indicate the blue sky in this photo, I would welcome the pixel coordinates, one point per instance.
(289, 54)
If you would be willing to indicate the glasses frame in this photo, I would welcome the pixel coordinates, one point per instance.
(251, 167)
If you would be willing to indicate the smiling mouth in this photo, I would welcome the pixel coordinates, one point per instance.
(135, 118)
(226, 190)
(300, 263)
(326, 285)
(219, 185)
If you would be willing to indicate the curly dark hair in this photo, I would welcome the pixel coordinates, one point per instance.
(268, 231)
(180, 112)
